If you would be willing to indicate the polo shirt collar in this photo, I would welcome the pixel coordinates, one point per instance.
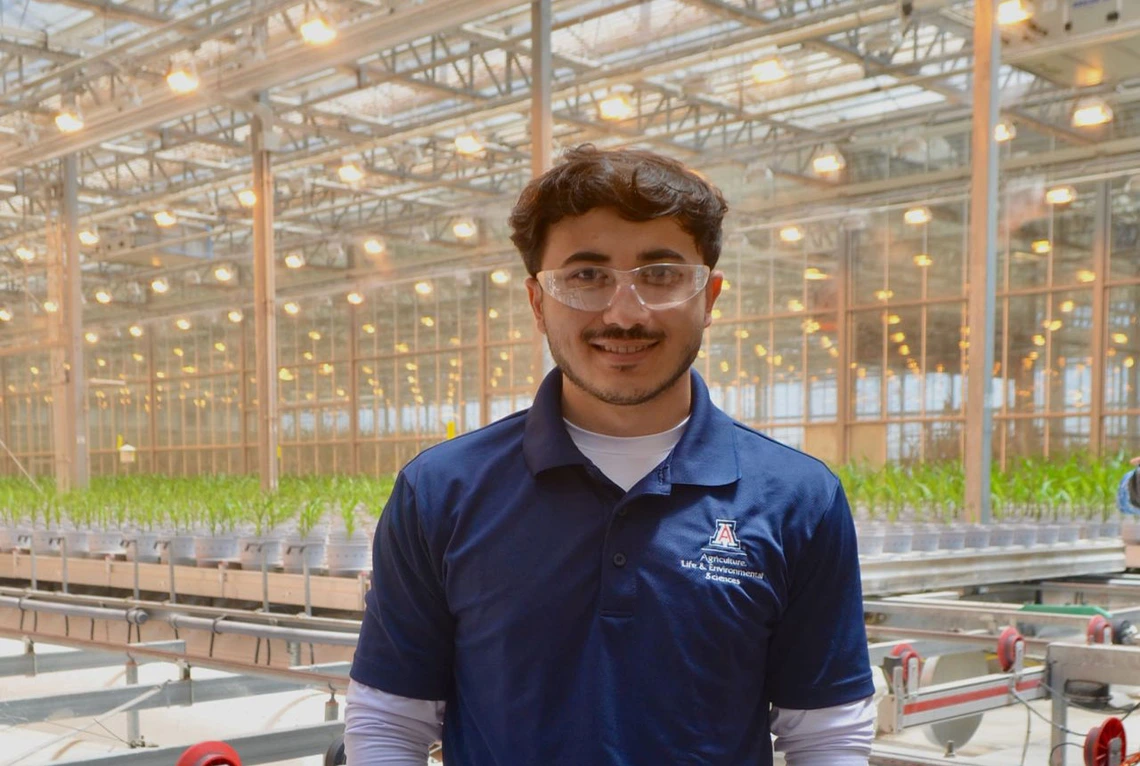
(705, 456)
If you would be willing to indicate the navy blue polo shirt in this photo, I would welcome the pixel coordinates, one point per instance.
(567, 622)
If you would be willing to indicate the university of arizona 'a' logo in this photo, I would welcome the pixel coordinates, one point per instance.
(724, 536)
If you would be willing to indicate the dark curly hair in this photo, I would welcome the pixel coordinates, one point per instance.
(640, 185)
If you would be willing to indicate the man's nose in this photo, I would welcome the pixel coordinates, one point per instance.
(625, 310)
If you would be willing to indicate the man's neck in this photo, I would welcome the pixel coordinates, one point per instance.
(659, 414)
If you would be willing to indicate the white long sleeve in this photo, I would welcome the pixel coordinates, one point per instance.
(831, 736)
(382, 729)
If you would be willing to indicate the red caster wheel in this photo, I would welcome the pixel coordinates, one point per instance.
(1099, 630)
(209, 754)
(905, 653)
(1099, 740)
(1010, 647)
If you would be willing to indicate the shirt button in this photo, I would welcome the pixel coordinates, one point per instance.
(619, 559)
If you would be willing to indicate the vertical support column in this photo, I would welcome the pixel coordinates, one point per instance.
(133, 735)
(69, 394)
(353, 391)
(1102, 245)
(541, 85)
(981, 259)
(843, 343)
(264, 308)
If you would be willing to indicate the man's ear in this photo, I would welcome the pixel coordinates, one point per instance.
(534, 294)
(712, 292)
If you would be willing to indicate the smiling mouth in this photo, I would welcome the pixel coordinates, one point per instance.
(622, 347)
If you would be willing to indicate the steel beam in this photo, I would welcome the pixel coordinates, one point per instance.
(268, 747)
(1101, 246)
(982, 257)
(33, 663)
(92, 703)
(541, 88)
(264, 309)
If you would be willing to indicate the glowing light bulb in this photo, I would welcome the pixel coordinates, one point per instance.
(165, 218)
(1090, 113)
(424, 288)
(223, 273)
(247, 198)
(235, 315)
(1041, 246)
(350, 173)
(136, 331)
(89, 237)
(469, 144)
(465, 228)
(375, 246)
(769, 70)
(1004, 132)
(500, 276)
(51, 307)
(1061, 195)
(355, 298)
(25, 254)
(5, 314)
(812, 274)
(182, 323)
(615, 108)
(182, 78)
(922, 260)
(1013, 12)
(294, 260)
(291, 308)
(160, 285)
(791, 234)
(69, 120)
(103, 295)
(828, 161)
(317, 30)
(917, 216)
(91, 337)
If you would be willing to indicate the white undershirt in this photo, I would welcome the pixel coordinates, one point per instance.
(625, 460)
(383, 729)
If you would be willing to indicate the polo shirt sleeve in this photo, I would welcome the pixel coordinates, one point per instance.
(817, 656)
(1128, 493)
(406, 640)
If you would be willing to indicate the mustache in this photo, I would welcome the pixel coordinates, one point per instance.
(637, 332)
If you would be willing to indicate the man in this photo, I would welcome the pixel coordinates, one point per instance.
(621, 574)
(1128, 493)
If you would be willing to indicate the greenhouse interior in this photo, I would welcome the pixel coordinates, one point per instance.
(259, 276)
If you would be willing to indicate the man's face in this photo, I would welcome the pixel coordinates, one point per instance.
(625, 354)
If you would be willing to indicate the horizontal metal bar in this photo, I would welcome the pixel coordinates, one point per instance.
(945, 702)
(326, 637)
(970, 614)
(268, 747)
(134, 616)
(33, 663)
(930, 647)
(333, 675)
(1099, 663)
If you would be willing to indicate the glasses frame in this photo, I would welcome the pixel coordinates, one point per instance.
(545, 280)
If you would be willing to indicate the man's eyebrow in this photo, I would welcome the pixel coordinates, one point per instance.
(588, 256)
(648, 256)
(661, 254)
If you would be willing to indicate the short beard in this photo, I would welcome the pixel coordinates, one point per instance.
(625, 399)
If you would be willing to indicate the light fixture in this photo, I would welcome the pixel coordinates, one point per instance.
(350, 173)
(1041, 246)
(89, 237)
(812, 274)
(165, 218)
(465, 228)
(427, 321)
(1061, 195)
(91, 337)
(317, 30)
(69, 120)
(791, 234)
(828, 160)
(1005, 131)
(893, 319)
(1092, 112)
(374, 246)
(223, 273)
(284, 374)
(5, 314)
(314, 335)
(1014, 12)
(25, 254)
(291, 308)
(424, 288)
(615, 108)
(182, 323)
(368, 329)
(247, 198)
(922, 260)
(1086, 276)
(904, 349)
(500, 276)
(136, 331)
(1067, 307)
(354, 298)
(160, 285)
(917, 216)
(103, 295)
(769, 70)
(51, 307)
(182, 78)
(884, 295)
(1119, 338)
(235, 315)
(469, 144)
(898, 337)
(294, 260)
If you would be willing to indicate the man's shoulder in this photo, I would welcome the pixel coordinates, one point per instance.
(472, 453)
(761, 455)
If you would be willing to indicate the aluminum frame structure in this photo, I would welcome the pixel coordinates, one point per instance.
(886, 84)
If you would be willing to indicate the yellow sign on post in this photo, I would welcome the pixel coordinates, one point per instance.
(451, 429)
